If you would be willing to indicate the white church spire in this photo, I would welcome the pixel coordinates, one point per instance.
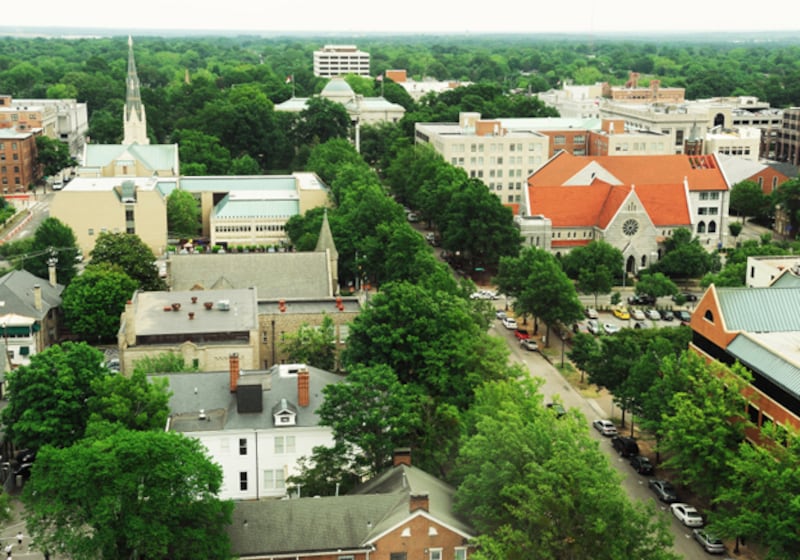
(134, 120)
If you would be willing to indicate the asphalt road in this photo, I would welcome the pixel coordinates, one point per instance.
(635, 485)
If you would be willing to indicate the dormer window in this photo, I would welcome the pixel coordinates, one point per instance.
(284, 414)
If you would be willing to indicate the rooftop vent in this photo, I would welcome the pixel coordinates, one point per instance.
(224, 305)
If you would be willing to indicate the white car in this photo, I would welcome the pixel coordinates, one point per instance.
(510, 323)
(638, 314)
(593, 326)
(605, 427)
(591, 313)
(610, 328)
(686, 514)
(653, 314)
(529, 344)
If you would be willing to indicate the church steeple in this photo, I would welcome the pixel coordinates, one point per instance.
(325, 244)
(135, 120)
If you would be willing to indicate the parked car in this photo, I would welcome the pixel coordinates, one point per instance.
(412, 217)
(641, 299)
(685, 295)
(510, 323)
(611, 329)
(113, 365)
(557, 408)
(637, 314)
(686, 514)
(593, 326)
(667, 315)
(664, 490)
(625, 446)
(683, 316)
(529, 344)
(522, 334)
(652, 314)
(500, 315)
(640, 325)
(621, 313)
(605, 427)
(642, 465)
(591, 313)
(709, 542)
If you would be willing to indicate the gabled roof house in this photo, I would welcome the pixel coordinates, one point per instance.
(402, 514)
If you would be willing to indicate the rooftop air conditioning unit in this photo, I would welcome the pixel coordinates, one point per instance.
(224, 305)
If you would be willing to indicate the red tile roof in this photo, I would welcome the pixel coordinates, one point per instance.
(702, 173)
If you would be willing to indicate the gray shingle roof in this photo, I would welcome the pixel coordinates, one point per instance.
(274, 275)
(17, 295)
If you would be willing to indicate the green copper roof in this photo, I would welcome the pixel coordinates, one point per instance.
(760, 310)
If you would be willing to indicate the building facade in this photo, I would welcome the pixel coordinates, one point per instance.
(787, 142)
(18, 164)
(256, 424)
(118, 205)
(61, 119)
(339, 60)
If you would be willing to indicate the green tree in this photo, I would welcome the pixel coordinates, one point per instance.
(94, 301)
(130, 495)
(132, 403)
(371, 414)
(594, 267)
(315, 346)
(707, 416)
(52, 241)
(540, 287)
(197, 147)
(52, 155)
(166, 362)
(656, 285)
(685, 257)
(50, 409)
(747, 199)
(320, 121)
(134, 257)
(536, 486)
(735, 228)
(183, 214)
(787, 195)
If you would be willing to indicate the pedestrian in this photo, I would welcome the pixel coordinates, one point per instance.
(9, 546)
(19, 538)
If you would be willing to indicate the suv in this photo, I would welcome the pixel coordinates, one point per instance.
(625, 446)
(642, 299)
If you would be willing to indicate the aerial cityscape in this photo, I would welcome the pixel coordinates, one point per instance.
(403, 290)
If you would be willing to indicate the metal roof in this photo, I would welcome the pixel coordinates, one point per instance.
(774, 356)
(224, 183)
(760, 310)
(228, 208)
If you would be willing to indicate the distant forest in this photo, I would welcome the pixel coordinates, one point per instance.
(221, 84)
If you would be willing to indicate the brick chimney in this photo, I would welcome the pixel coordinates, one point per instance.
(418, 501)
(302, 387)
(233, 366)
(37, 297)
(401, 456)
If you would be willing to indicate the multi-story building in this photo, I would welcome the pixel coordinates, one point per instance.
(18, 164)
(255, 424)
(787, 141)
(338, 60)
(504, 152)
(694, 119)
(634, 203)
(632, 93)
(91, 206)
(742, 142)
(61, 119)
(417, 89)
(574, 102)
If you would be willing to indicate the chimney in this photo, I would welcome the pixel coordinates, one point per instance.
(233, 365)
(51, 272)
(130, 323)
(418, 501)
(401, 456)
(302, 387)
(37, 297)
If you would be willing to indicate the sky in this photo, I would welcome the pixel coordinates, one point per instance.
(409, 16)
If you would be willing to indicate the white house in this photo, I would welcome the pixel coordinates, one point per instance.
(255, 425)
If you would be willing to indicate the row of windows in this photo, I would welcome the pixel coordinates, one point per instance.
(494, 147)
(249, 228)
(433, 554)
(4, 169)
(3, 146)
(709, 196)
(712, 227)
(282, 444)
(499, 186)
(16, 181)
(560, 140)
(574, 234)
(14, 157)
(273, 480)
(734, 150)
(708, 211)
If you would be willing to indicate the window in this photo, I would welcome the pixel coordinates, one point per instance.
(284, 444)
(397, 556)
(243, 481)
(461, 554)
(435, 554)
(346, 557)
(560, 140)
(273, 479)
(242, 446)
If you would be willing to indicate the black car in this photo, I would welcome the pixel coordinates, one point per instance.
(664, 490)
(625, 446)
(683, 316)
(642, 464)
(666, 314)
(686, 297)
(557, 408)
(642, 299)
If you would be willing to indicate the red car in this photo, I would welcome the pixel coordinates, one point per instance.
(522, 334)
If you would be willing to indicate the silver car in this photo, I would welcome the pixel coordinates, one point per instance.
(710, 543)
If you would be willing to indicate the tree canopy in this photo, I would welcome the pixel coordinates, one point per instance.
(129, 252)
(53, 241)
(131, 495)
